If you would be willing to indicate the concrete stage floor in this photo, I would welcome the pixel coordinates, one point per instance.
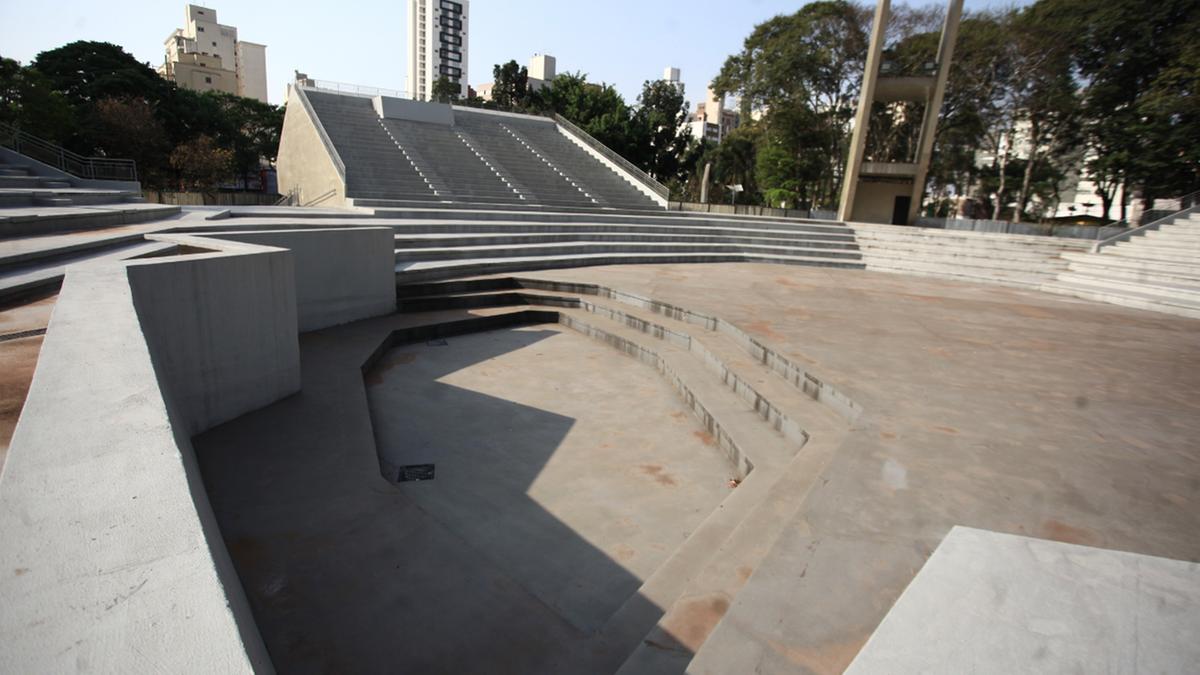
(989, 407)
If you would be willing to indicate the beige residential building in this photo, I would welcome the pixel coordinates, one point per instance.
(205, 55)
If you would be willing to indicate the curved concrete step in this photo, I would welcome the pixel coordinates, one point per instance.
(587, 248)
(417, 272)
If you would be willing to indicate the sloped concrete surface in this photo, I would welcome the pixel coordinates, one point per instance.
(997, 603)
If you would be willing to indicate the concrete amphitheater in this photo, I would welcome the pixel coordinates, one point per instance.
(483, 404)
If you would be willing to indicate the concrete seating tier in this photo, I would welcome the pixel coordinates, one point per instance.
(1159, 270)
(481, 159)
(1011, 260)
(375, 166)
(454, 244)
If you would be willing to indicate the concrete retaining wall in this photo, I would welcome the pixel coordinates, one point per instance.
(342, 274)
(389, 107)
(305, 164)
(112, 558)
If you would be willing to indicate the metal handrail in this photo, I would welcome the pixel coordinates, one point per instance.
(93, 168)
(1193, 206)
(655, 186)
(354, 89)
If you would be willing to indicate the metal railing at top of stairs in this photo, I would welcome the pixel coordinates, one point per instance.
(93, 168)
(657, 187)
(1188, 204)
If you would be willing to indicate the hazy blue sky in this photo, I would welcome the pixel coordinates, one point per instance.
(623, 42)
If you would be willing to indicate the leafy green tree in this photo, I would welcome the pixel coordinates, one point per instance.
(596, 108)
(87, 72)
(446, 91)
(658, 135)
(27, 101)
(251, 131)
(510, 89)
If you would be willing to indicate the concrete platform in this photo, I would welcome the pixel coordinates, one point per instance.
(995, 603)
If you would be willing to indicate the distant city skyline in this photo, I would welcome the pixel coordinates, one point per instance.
(365, 43)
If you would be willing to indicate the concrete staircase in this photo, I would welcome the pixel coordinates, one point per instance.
(444, 244)
(1159, 270)
(777, 424)
(1022, 261)
(483, 159)
(22, 186)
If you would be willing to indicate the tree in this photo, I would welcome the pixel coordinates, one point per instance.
(87, 72)
(28, 102)
(129, 129)
(659, 136)
(596, 108)
(510, 88)
(201, 163)
(251, 130)
(445, 90)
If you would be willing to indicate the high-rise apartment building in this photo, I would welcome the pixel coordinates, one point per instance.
(437, 45)
(207, 56)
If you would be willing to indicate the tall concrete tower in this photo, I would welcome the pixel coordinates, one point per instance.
(437, 45)
(890, 190)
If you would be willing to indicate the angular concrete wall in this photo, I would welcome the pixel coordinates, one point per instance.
(307, 161)
(221, 328)
(112, 560)
(342, 274)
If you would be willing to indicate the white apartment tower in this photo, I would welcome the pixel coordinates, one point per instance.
(207, 56)
(437, 45)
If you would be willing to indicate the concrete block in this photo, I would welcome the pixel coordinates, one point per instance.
(987, 602)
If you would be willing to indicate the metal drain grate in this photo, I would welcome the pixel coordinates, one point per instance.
(437, 343)
(23, 334)
(415, 472)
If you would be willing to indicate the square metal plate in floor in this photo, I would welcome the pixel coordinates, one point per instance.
(415, 472)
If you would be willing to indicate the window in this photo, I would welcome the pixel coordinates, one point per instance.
(450, 70)
(214, 44)
(450, 55)
(451, 39)
(200, 28)
(452, 6)
(451, 23)
(208, 80)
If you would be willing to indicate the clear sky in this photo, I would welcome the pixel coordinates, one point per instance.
(622, 42)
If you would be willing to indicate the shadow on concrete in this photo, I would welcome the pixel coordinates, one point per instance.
(349, 573)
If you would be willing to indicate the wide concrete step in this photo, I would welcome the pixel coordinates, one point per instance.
(18, 282)
(963, 260)
(1166, 254)
(446, 240)
(991, 275)
(1133, 264)
(1145, 273)
(1125, 298)
(622, 217)
(923, 242)
(423, 271)
(612, 248)
(34, 221)
(982, 252)
(1189, 292)
(32, 182)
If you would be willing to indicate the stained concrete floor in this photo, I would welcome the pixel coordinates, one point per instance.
(566, 472)
(570, 467)
(1000, 409)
